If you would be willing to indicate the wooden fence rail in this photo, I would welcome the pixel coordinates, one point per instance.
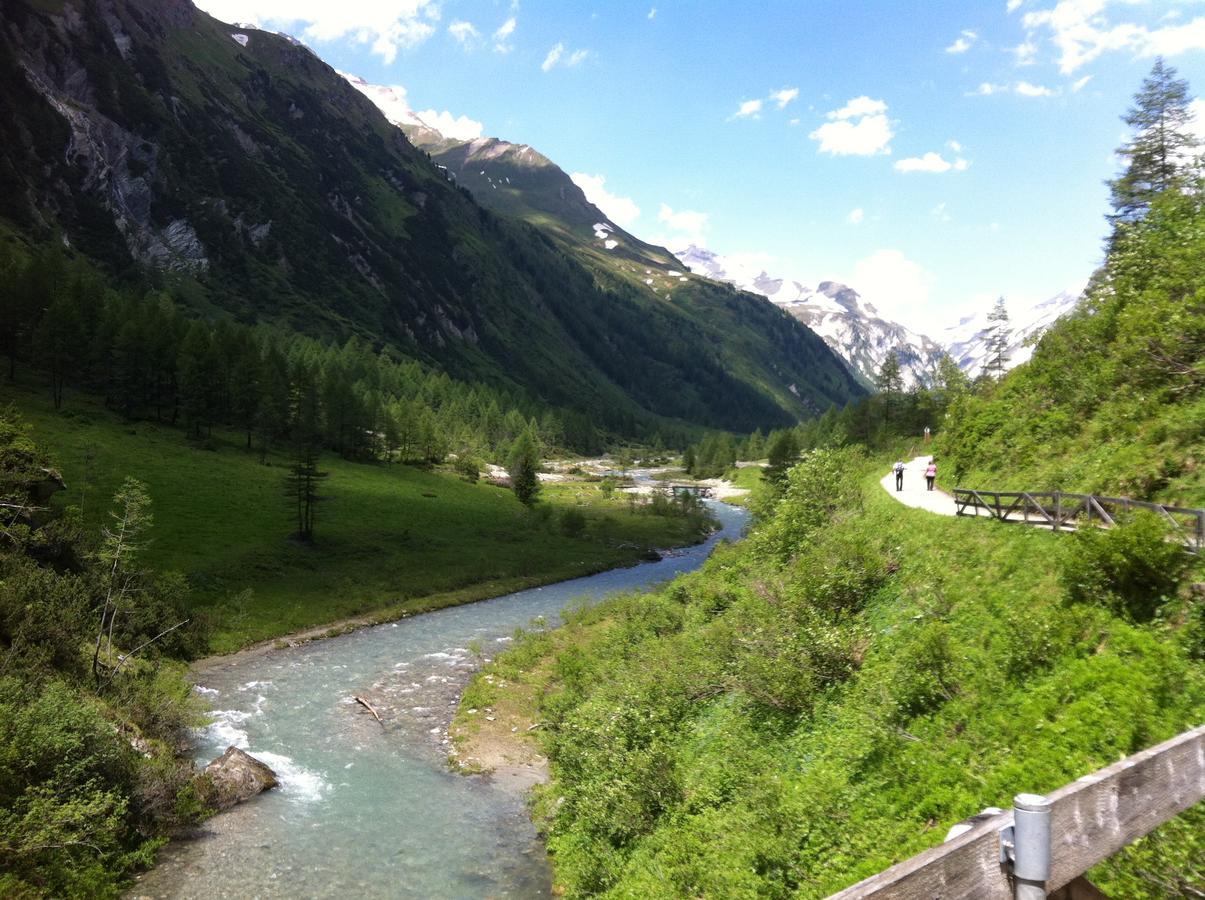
(1089, 820)
(1058, 511)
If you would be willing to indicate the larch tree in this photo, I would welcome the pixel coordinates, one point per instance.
(1163, 146)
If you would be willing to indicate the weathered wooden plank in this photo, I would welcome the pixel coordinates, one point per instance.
(968, 866)
(1091, 819)
(1094, 817)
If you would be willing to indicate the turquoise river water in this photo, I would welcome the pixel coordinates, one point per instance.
(369, 811)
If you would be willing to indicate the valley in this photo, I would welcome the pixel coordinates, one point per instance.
(388, 509)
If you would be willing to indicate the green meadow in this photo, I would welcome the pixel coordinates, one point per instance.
(390, 539)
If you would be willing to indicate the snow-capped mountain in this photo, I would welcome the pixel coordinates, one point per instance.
(863, 338)
(966, 341)
(836, 312)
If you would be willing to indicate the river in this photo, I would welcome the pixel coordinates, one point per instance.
(365, 810)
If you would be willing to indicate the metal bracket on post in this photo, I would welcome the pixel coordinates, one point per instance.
(1025, 846)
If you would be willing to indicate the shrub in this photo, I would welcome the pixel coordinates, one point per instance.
(1132, 569)
(573, 522)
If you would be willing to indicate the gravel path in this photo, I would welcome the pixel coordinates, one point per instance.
(914, 493)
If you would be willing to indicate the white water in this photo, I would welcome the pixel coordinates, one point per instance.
(370, 811)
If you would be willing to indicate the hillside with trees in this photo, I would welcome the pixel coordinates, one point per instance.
(1112, 401)
(829, 696)
(253, 184)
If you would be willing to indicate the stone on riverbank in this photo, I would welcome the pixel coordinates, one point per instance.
(233, 777)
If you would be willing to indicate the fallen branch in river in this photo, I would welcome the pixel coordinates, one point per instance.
(368, 706)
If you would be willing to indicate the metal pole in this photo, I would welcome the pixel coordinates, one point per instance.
(1031, 839)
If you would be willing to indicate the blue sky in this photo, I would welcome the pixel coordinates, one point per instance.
(932, 155)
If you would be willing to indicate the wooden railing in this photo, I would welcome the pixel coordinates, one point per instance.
(1045, 844)
(1059, 510)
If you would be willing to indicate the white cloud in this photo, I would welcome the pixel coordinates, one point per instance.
(1025, 89)
(464, 32)
(1078, 85)
(855, 216)
(931, 162)
(1022, 88)
(462, 128)
(623, 211)
(752, 109)
(556, 57)
(748, 109)
(553, 57)
(963, 43)
(502, 42)
(860, 128)
(955, 146)
(689, 224)
(784, 96)
(392, 101)
(653, 13)
(1082, 30)
(894, 284)
(940, 214)
(1025, 53)
(1014, 5)
(387, 25)
(1196, 122)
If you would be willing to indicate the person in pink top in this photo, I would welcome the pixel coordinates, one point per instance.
(930, 473)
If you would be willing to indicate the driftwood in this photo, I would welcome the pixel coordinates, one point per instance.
(368, 706)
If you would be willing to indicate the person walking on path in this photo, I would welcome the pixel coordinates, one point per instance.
(930, 473)
(898, 468)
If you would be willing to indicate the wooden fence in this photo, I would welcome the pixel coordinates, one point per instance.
(1059, 511)
(1085, 822)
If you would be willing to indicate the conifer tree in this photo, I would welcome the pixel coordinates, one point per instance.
(783, 453)
(1162, 147)
(997, 340)
(890, 381)
(523, 466)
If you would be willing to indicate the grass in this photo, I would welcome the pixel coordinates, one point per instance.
(390, 540)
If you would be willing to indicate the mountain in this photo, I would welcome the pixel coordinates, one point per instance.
(236, 169)
(764, 346)
(850, 325)
(856, 331)
(966, 341)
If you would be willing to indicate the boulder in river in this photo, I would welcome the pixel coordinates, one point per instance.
(233, 777)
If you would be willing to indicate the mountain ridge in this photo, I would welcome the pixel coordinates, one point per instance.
(862, 337)
(236, 168)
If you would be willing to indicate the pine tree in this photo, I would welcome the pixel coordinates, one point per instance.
(1162, 148)
(523, 466)
(890, 381)
(998, 334)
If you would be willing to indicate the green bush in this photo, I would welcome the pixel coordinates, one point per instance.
(573, 522)
(1132, 569)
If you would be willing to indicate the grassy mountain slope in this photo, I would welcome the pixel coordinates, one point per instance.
(1113, 400)
(828, 697)
(518, 181)
(258, 183)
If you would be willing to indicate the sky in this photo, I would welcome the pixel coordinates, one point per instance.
(931, 155)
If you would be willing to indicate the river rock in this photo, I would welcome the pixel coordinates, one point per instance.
(235, 776)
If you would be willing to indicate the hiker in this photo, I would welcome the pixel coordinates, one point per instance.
(930, 473)
(898, 469)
